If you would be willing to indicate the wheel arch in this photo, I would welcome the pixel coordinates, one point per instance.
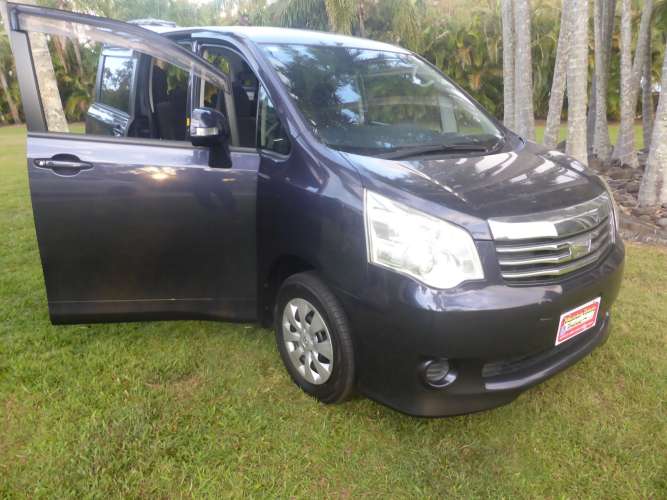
(282, 268)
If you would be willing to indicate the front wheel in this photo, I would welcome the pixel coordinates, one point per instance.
(314, 340)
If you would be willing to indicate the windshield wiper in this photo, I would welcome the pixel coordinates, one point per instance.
(424, 150)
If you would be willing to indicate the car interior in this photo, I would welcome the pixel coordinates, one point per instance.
(169, 107)
(169, 97)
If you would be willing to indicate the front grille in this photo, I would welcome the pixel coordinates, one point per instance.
(548, 247)
(550, 261)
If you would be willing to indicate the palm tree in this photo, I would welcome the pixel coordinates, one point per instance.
(653, 189)
(559, 79)
(332, 15)
(524, 122)
(508, 63)
(467, 50)
(577, 83)
(625, 149)
(6, 60)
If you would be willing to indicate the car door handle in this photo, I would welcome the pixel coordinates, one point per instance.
(49, 163)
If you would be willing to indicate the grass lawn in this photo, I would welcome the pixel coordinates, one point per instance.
(206, 410)
(613, 134)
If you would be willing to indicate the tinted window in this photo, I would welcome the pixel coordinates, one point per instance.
(116, 82)
(271, 134)
(372, 102)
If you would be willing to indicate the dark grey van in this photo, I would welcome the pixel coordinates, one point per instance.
(402, 241)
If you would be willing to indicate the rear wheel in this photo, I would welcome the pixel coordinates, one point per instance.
(314, 340)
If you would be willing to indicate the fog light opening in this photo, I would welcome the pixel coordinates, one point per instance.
(437, 373)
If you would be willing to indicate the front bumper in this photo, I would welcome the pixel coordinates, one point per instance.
(499, 339)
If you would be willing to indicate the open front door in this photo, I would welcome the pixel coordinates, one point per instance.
(132, 223)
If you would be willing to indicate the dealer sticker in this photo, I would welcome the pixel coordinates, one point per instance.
(578, 320)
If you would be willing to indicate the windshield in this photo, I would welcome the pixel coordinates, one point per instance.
(378, 103)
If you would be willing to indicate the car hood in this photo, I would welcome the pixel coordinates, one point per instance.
(523, 179)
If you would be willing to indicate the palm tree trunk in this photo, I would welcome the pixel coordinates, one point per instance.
(601, 76)
(601, 143)
(360, 9)
(524, 122)
(626, 149)
(48, 87)
(647, 96)
(10, 101)
(60, 43)
(560, 79)
(77, 53)
(577, 83)
(592, 106)
(653, 190)
(508, 64)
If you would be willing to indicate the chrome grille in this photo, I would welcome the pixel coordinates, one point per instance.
(546, 247)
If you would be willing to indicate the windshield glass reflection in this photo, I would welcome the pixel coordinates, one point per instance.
(377, 103)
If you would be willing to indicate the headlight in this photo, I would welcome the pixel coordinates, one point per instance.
(614, 206)
(435, 252)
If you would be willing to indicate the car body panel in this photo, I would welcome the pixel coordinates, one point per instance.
(147, 222)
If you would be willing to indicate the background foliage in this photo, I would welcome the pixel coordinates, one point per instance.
(462, 38)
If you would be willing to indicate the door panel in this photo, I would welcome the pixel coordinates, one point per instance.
(133, 229)
(145, 223)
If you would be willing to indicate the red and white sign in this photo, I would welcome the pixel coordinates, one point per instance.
(578, 320)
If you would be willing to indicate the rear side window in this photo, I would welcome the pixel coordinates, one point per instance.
(116, 82)
(271, 135)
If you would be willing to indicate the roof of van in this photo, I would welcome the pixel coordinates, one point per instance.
(281, 36)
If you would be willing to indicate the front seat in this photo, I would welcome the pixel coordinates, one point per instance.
(165, 121)
(245, 120)
(163, 115)
(179, 104)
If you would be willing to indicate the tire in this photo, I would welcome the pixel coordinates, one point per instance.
(306, 349)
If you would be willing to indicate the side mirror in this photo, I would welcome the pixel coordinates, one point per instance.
(208, 127)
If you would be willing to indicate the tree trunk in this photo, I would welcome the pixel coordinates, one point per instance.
(602, 68)
(524, 122)
(577, 83)
(592, 105)
(626, 149)
(647, 96)
(46, 78)
(48, 87)
(10, 101)
(508, 64)
(560, 79)
(77, 53)
(360, 9)
(653, 190)
(601, 143)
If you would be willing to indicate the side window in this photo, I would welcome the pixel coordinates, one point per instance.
(116, 82)
(271, 135)
(99, 81)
